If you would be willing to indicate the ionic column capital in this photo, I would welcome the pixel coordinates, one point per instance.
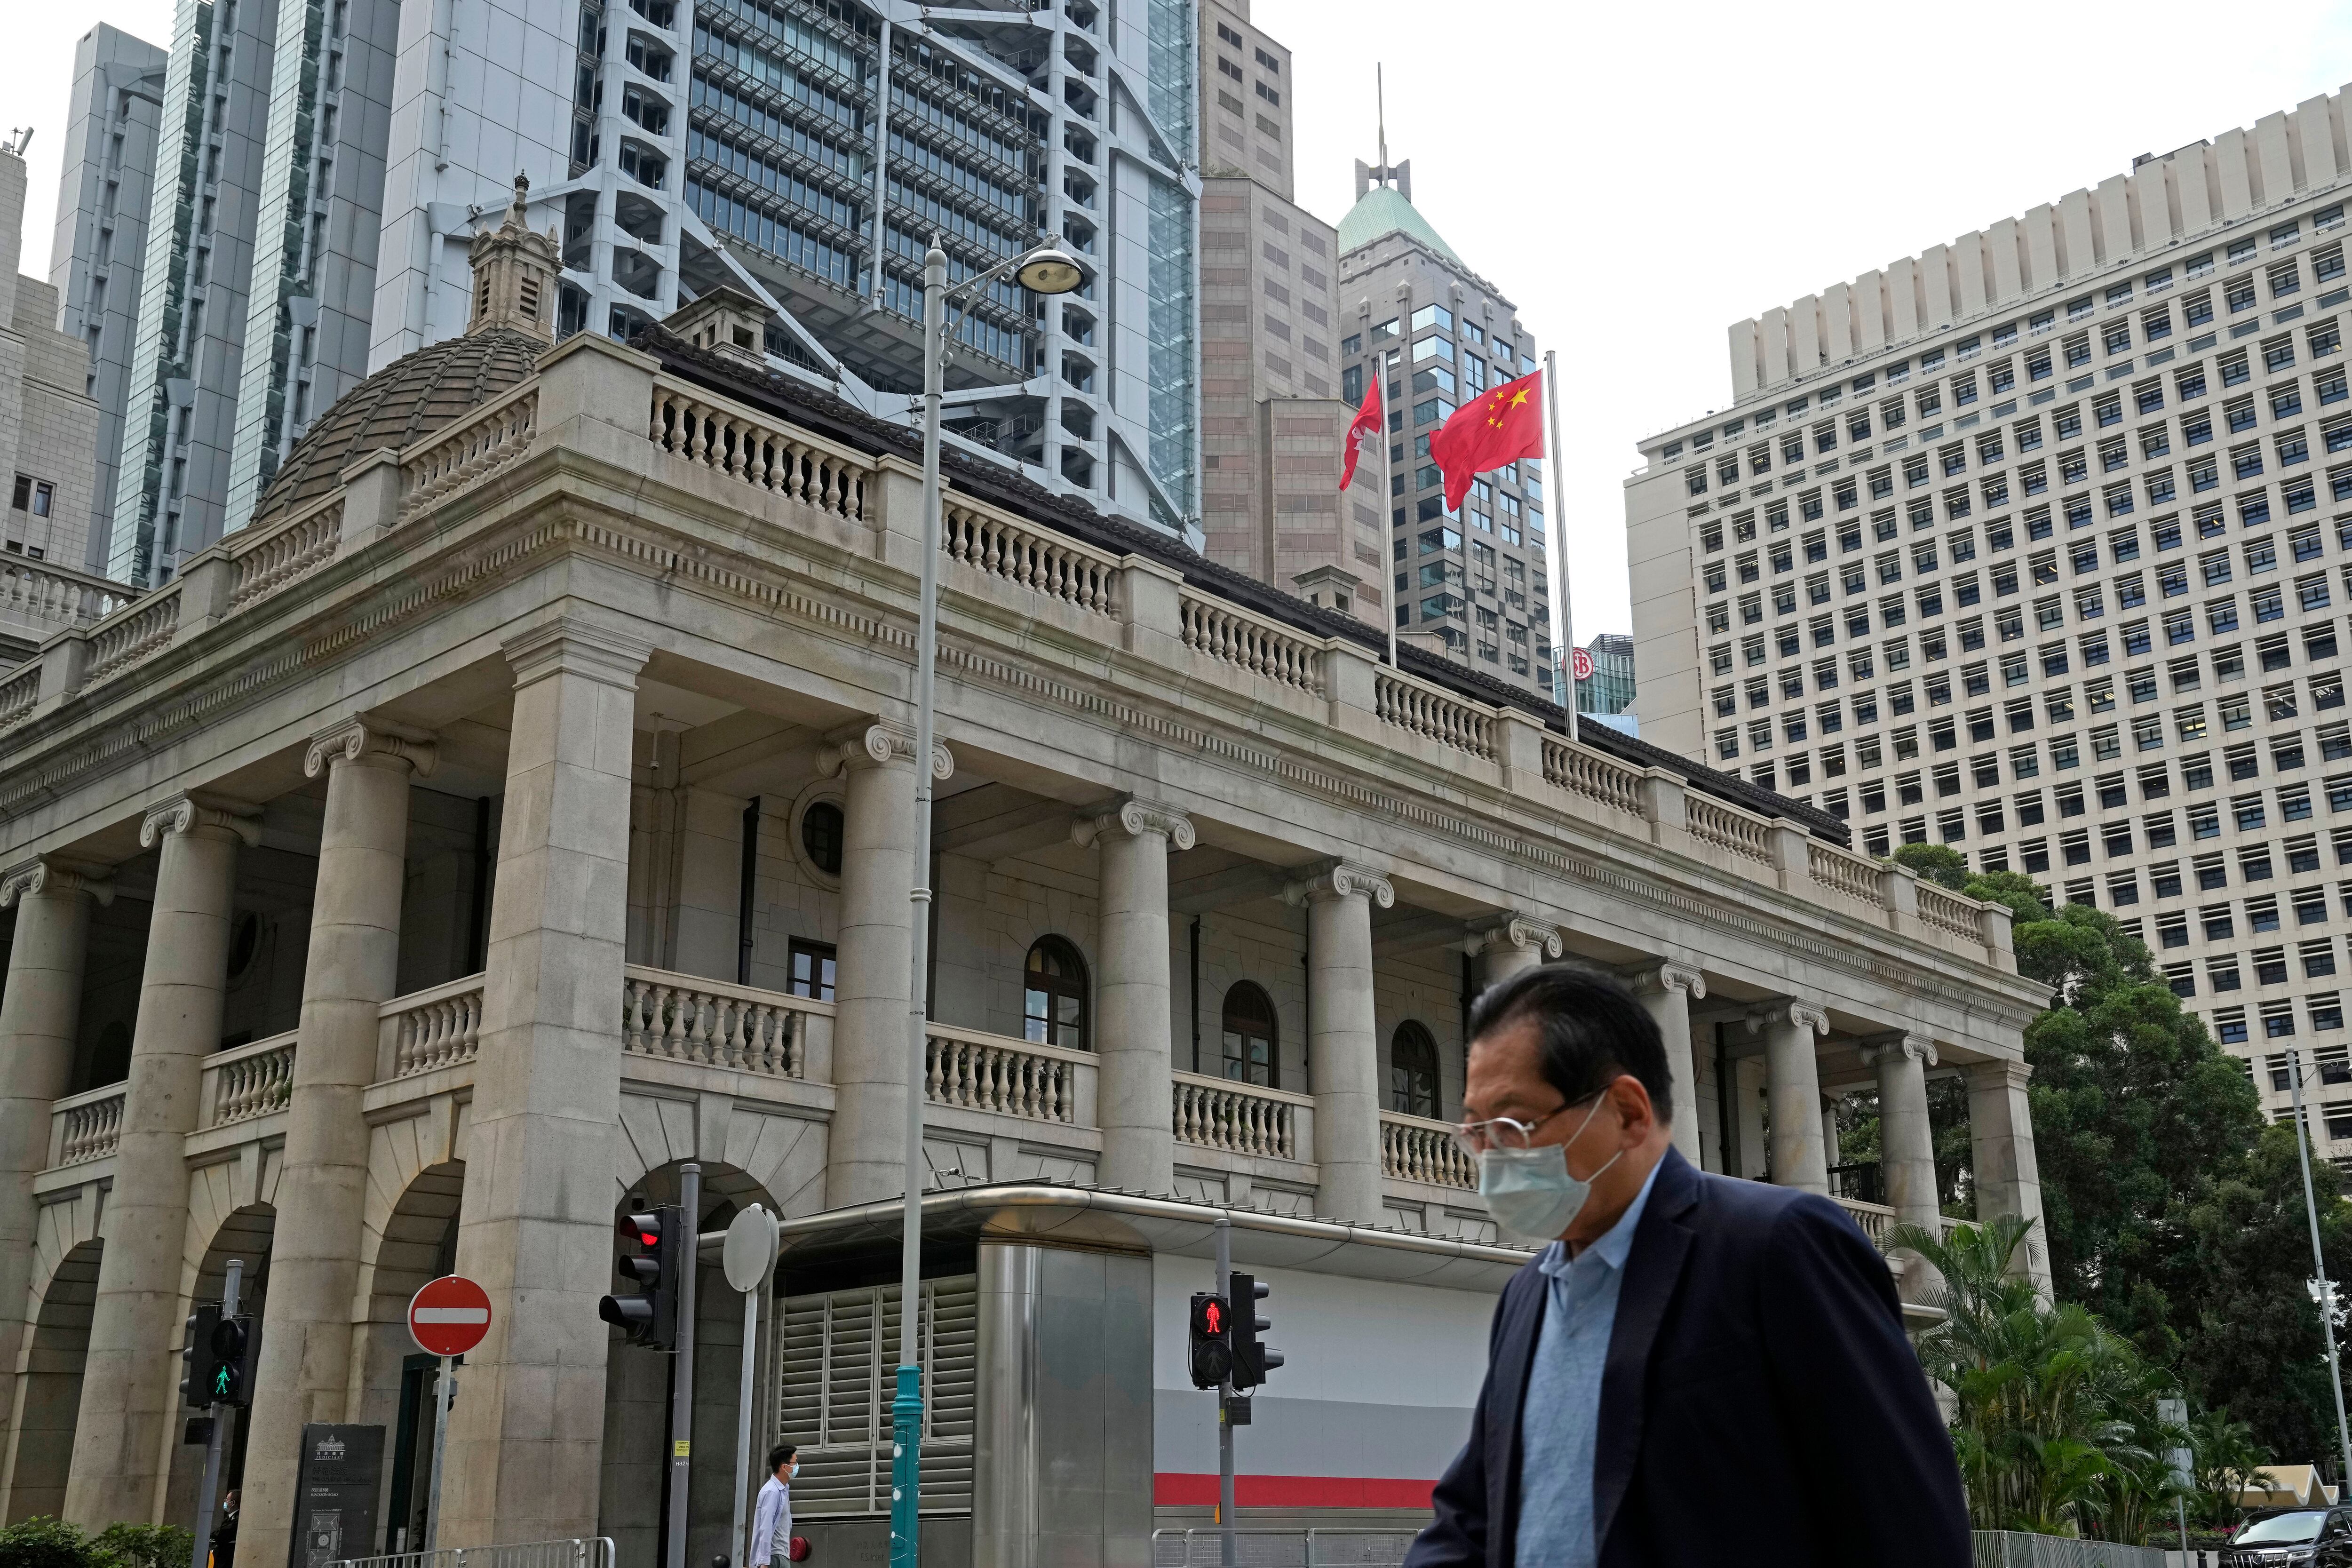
(54, 875)
(879, 744)
(1667, 975)
(1792, 1012)
(1337, 878)
(1887, 1047)
(209, 816)
(573, 645)
(1516, 934)
(360, 737)
(1134, 817)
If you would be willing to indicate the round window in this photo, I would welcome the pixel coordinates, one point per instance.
(820, 826)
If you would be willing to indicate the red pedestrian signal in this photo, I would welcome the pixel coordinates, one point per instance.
(1212, 1350)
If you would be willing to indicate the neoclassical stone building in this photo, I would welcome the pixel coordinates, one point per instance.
(521, 806)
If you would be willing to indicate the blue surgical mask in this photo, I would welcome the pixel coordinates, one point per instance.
(1528, 1192)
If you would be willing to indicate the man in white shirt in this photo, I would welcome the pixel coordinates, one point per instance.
(771, 1516)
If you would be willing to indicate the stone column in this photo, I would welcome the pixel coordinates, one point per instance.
(866, 1160)
(130, 1377)
(40, 1018)
(1793, 1094)
(1667, 990)
(1510, 943)
(1343, 1047)
(1133, 1025)
(535, 1224)
(1830, 1154)
(2008, 1178)
(1906, 1143)
(350, 972)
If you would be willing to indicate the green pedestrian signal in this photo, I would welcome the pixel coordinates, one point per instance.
(224, 1381)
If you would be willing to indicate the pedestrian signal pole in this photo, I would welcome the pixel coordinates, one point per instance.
(1225, 1387)
(208, 1495)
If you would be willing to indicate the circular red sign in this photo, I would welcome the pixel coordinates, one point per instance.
(1580, 662)
(449, 1316)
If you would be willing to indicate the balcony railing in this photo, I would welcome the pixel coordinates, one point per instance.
(1416, 1149)
(250, 1080)
(710, 1023)
(86, 1126)
(425, 1030)
(973, 1070)
(1238, 1118)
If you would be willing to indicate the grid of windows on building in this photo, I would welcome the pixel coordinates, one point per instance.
(2065, 590)
(1474, 579)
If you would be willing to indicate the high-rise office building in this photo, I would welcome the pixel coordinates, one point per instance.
(1272, 424)
(2038, 544)
(1609, 689)
(324, 168)
(98, 250)
(1472, 585)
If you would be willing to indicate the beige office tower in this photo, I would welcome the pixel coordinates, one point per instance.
(1272, 423)
(2039, 544)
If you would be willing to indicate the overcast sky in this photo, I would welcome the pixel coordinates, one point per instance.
(1636, 178)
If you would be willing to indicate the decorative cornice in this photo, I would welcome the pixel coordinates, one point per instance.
(1518, 934)
(1337, 878)
(54, 877)
(1660, 978)
(1135, 817)
(1801, 1015)
(574, 645)
(209, 816)
(879, 744)
(2013, 1071)
(361, 737)
(1885, 1047)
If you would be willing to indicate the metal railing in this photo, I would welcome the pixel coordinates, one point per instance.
(2015, 1549)
(1203, 1547)
(595, 1551)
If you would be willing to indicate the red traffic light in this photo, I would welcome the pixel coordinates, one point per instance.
(1211, 1354)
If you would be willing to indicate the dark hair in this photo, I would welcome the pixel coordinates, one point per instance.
(780, 1455)
(1588, 1028)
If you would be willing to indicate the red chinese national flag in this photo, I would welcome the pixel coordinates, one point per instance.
(1367, 423)
(1503, 426)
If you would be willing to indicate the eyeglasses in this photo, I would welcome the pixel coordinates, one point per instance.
(1474, 1138)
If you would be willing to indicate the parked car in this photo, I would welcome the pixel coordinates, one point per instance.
(2292, 1538)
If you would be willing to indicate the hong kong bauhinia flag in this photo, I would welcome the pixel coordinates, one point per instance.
(1367, 423)
(1503, 426)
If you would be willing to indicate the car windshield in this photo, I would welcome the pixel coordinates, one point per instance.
(2282, 1528)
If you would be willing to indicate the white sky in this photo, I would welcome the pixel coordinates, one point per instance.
(1638, 177)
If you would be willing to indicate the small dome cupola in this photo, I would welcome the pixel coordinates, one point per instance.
(514, 274)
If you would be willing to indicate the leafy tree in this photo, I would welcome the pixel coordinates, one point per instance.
(43, 1543)
(1938, 863)
(124, 1545)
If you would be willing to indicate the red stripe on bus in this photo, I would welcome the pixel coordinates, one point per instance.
(1179, 1489)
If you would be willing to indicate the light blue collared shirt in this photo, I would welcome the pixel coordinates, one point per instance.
(1560, 1422)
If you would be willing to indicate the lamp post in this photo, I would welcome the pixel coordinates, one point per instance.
(1045, 270)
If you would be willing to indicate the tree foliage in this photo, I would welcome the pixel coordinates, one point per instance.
(44, 1542)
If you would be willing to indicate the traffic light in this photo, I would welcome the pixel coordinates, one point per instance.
(1212, 1355)
(236, 1357)
(1251, 1361)
(650, 1317)
(198, 1362)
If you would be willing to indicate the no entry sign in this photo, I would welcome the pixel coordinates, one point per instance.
(449, 1316)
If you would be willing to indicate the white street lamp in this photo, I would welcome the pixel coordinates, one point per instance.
(1048, 270)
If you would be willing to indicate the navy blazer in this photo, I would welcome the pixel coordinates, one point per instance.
(1759, 1400)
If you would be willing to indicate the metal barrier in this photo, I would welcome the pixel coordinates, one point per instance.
(1203, 1547)
(2016, 1549)
(595, 1551)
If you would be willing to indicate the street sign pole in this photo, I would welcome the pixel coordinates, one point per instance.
(447, 1317)
(749, 1257)
(208, 1499)
(1226, 1389)
(681, 1396)
(443, 1387)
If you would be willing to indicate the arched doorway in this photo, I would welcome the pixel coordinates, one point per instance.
(1251, 1036)
(1053, 996)
(51, 1387)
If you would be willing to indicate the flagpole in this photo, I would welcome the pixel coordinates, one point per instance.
(1563, 650)
(1396, 598)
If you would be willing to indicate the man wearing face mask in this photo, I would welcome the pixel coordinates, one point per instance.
(1695, 1367)
(772, 1514)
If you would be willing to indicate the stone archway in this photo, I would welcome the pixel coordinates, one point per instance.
(220, 1227)
(49, 1392)
(411, 1238)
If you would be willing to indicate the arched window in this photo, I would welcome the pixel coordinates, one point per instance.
(1054, 1005)
(1253, 1039)
(1413, 1071)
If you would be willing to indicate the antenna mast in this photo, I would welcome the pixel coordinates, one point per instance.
(1380, 111)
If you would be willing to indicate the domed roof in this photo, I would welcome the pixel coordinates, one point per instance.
(401, 404)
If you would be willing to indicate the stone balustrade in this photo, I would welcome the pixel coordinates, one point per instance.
(1948, 913)
(452, 460)
(974, 1071)
(1228, 634)
(86, 1126)
(285, 553)
(998, 544)
(698, 427)
(1416, 1149)
(1239, 1117)
(710, 1023)
(1841, 872)
(1740, 834)
(250, 1080)
(1424, 708)
(138, 631)
(20, 693)
(425, 1030)
(1583, 772)
(41, 597)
